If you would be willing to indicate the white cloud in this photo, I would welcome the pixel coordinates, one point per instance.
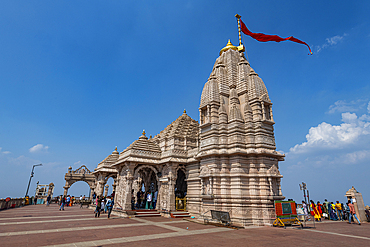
(344, 106)
(327, 136)
(330, 42)
(4, 152)
(368, 107)
(38, 148)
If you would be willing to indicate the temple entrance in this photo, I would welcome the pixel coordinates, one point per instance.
(80, 174)
(181, 190)
(145, 190)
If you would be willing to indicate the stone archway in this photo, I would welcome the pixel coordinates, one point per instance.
(144, 176)
(181, 183)
(80, 174)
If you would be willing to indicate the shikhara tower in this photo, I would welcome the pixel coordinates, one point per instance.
(227, 161)
(238, 168)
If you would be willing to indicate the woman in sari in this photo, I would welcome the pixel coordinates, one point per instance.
(315, 211)
(319, 207)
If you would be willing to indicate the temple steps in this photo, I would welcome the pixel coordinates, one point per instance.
(147, 213)
(179, 214)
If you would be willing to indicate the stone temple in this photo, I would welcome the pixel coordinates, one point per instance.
(227, 161)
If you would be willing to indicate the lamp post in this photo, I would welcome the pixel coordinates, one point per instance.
(31, 178)
(303, 187)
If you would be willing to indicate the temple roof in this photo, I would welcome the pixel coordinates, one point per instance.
(110, 159)
(183, 127)
(143, 144)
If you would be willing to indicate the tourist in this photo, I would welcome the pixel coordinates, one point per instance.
(155, 199)
(94, 197)
(149, 200)
(333, 215)
(68, 200)
(35, 200)
(305, 211)
(143, 200)
(102, 206)
(315, 211)
(319, 207)
(346, 212)
(326, 209)
(353, 212)
(109, 205)
(98, 206)
(48, 199)
(62, 202)
(339, 209)
(138, 194)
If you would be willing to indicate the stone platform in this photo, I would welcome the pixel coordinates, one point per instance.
(38, 225)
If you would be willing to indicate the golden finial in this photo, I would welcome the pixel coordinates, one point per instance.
(228, 46)
(150, 137)
(115, 149)
(143, 133)
(184, 111)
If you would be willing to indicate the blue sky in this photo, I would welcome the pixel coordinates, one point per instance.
(79, 78)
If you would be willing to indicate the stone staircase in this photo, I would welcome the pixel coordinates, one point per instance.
(147, 213)
(179, 214)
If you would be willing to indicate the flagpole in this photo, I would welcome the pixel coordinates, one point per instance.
(241, 46)
(240, 36)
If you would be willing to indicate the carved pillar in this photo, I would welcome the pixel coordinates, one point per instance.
(91, 193)
(270, 186)
(263, 111)
(271, 117)
(279, 187)
(202, 186)
(208, 113)
(65, 190)
(128, 198)
(171, 188)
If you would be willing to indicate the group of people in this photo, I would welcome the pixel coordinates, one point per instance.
(330, 211)
(103, 205)
(65, 201)
(147, 200)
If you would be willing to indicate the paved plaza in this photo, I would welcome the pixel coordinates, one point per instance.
(38, 225)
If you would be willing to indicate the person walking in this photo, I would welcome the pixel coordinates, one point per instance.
(109, 205)
(353, 212)
(339, 209)
(315, 211)
(305, 211)
(48, 200)
(62, 202)
(98, 206)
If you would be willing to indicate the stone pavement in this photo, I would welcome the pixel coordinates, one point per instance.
(38, 225)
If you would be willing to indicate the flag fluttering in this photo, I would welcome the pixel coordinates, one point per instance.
(266, 37)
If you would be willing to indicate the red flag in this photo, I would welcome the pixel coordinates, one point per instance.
(265, 37)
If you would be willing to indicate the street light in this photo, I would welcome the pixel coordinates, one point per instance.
(31, 178)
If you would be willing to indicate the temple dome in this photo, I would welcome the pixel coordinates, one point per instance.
(232, 68)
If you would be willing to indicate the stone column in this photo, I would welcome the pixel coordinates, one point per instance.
(91, 193)
(65, 190)
(127, 205)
